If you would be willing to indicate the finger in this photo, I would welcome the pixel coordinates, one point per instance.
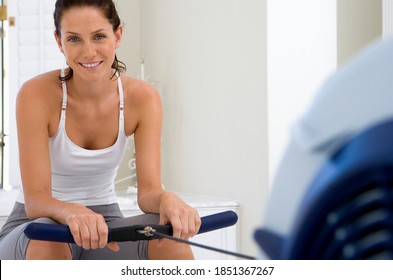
(163, 220)
(192, 224)
(177, 227)
(113, 246)
(74, 229)
(93, 238)
(85, 235)
(185, 226)
(198, 222)
(102, 230)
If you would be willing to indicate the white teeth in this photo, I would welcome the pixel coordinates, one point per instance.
(90, 65)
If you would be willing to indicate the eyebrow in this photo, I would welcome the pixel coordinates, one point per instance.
(94, 32)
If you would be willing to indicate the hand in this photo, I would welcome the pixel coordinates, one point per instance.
(88, 228)
(184, 219)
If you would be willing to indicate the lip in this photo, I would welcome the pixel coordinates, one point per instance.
(90, 65)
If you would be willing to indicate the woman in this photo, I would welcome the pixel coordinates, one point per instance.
(72, 130)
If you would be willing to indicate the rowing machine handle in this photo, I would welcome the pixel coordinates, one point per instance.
(61, 233)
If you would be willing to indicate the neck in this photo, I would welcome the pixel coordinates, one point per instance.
(91, 91)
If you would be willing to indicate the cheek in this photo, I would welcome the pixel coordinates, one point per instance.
(109, 50)
(69, 53)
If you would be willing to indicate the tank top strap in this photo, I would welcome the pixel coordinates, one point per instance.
(121, 96)
(64, 101)
(120, 90)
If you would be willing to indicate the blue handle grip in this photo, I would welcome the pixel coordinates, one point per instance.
(61, 233)
(217, 221)
(49, 232)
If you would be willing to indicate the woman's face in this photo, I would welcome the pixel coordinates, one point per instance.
(88, 42)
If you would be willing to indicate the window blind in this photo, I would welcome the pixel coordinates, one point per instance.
(37, 48)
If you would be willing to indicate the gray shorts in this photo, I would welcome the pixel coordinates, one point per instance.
(13, 242)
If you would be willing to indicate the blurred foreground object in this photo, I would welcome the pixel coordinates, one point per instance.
(332, 194)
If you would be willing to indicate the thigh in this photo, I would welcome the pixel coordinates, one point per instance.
(13, 241)
(13, 246)
(130, 250)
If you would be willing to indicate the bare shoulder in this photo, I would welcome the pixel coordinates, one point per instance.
(140, 93)
(142, 103)
(38, 100)
(42, 91)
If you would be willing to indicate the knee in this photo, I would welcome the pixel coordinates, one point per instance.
(165, 249)
(46, 250)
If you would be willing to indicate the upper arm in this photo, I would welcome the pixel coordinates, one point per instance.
(32, 116)
(147, 138)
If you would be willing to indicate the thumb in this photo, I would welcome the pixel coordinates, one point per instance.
(113, 246)
(163, 220)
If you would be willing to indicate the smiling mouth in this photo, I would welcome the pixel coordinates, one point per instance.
(91, 65)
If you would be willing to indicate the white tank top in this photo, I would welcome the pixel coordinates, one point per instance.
(80, 175)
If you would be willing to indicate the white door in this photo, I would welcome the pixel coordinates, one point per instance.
(32, 50)
(2, 132)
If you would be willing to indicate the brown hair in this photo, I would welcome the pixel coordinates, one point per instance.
(109, 10)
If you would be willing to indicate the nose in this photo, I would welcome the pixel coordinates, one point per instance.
(89, 50)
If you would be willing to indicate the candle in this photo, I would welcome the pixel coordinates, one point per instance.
(142, 70)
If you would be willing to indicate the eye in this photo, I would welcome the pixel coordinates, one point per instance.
(99, 37)
(73, 39)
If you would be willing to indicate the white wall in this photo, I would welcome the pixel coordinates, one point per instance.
(302, 51)
(210, 59)
(128, 52)
(129, 49)
(358, 23)
(387, 18)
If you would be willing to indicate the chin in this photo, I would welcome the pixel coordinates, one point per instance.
(94, 75)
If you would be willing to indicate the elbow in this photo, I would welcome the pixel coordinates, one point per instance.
(149, 200)
(145, 203)
(142, 205)
(30, 210)
(36, 206)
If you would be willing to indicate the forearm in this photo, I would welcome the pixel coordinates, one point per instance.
(42, 205)
(184, 219)
(149, 200)
(88, 228)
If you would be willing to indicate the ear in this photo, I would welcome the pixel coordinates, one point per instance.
(118, 36)
(58, 41)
